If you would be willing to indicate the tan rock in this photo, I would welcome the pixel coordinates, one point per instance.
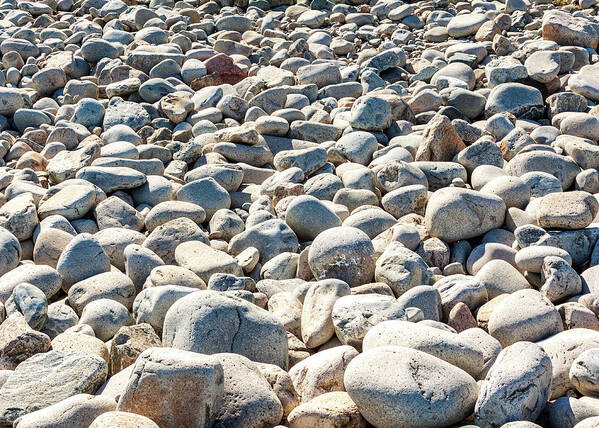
(174, 388)
(49, 246)
(322, 372)
(79, 342)
(128, 343)
(316, 322)
(18, 342)
(282, 385)
(485, 311)
(440, 141)
(78, 411)
(122, 420)
(330, 410)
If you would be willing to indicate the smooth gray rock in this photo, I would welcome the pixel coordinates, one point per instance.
(395, 386)
(193, 323)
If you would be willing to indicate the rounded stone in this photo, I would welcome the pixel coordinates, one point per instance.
(453, 214)
(344, 253)
(194, 323)
(105, 317)
(395, 386)
(524, 315)
(308, 217)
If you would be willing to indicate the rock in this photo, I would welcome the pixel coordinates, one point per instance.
(48, 378)
(522, 101)
(11, 251)
(19, 216)
(70, 342)
(59, 318)
(386, 397)
(128, 343)
(489, 346)
(583, 373)
(307, 217)
(250, 331)
(13, 101)
(165, 238)
(205, 261)
(43, 277)
(543, 66)
(344, 253)
(478, 213)
(247, 395)
(456, 350)
(49, 245)
(565, 29)
(401, 269)
(520, 380)
(568, 210)
(560, 279)
(569, 411)
(108, 285)
(112, 177)
(172, 274)
(356, 147)
(160, 371)
(500, 277)
(531, 258)
(440, 141)
(563, 348)
(114, 212)
(152, 304)
(171, 210)
(121, 112)
(105, 317)
(330, 409)
(460, 318)
(139, 264)
(353, 316)
(75, 263)
(77, 411)
(465, 25)
(316, 322)
(270, 238)
(322, 372)
(460, 288)
(122, 419)
(509, 323)
(206, 193)
(425, 298)
(30, 301)
(19, 342)
(281, 383)
(371, 114)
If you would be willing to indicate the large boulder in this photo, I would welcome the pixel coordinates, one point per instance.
(174, 388)
(210, 322)
(516, 388)
(401, 387)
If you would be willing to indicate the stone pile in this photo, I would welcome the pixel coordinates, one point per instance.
(311, 214)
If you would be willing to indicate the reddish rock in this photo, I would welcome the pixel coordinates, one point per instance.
(440, 141)
(223, 65)
(460, 318)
